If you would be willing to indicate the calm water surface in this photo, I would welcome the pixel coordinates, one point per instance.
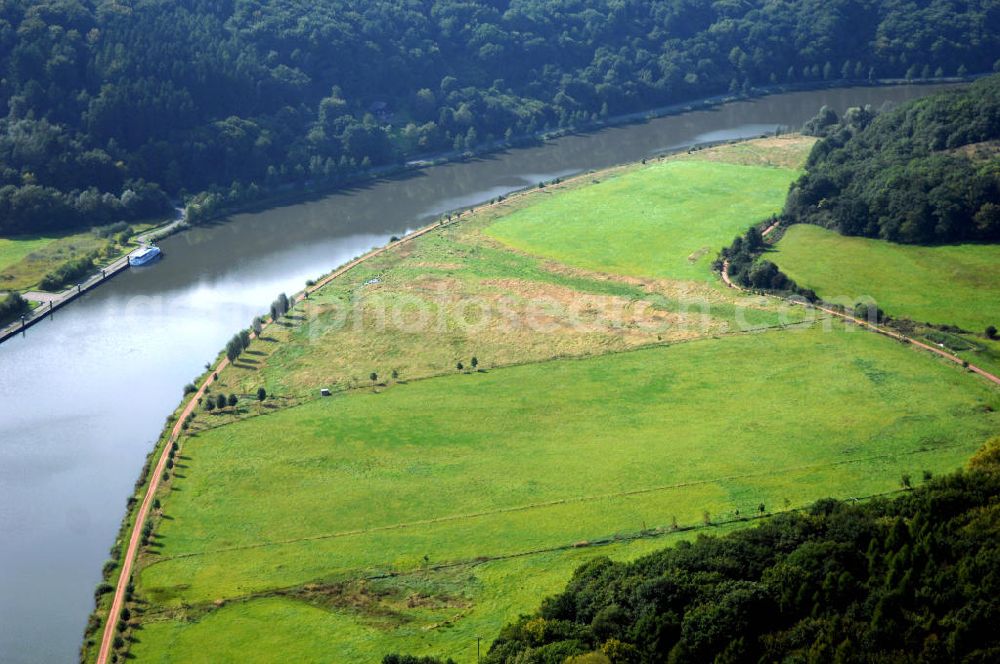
(83, 396)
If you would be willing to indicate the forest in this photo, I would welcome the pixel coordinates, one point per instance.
(910, 578)
(925, 173)
(114, 106)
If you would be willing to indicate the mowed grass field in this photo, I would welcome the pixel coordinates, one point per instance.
(945, 285)
(497, 464)
(668, 220)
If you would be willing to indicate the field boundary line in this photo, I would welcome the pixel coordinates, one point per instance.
(596, 543)
(550, 503)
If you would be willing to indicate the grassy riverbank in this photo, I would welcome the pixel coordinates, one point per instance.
(25, 260)
(429, 504)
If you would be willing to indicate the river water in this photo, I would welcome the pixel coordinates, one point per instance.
(84, 396)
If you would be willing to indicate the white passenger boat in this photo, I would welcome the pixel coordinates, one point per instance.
(144, 256)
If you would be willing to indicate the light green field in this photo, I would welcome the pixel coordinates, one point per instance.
(532, 457)
(669, 220)
(14, 250)
(432, 509)
(457, 605)
(946, 285)
(24, 261)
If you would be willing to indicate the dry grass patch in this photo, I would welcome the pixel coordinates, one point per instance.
(788, 151)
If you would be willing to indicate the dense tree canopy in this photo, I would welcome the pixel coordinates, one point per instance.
(909, 579)
(107, 97)
(926, 172)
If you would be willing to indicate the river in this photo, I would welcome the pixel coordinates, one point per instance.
(84, 396)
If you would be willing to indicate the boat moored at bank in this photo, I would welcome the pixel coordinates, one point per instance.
(144, 256)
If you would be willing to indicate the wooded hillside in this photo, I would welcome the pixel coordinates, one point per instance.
(924, 173)
(110, 103)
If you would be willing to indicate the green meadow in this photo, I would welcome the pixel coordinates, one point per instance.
(486, 465)
(668, 220)
(432, 611)
(421, 510)
(945, 285)
(26, 259)
(14, 250)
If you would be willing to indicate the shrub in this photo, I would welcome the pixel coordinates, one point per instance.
(102, 589)
(12, 306)
(68, 272)
(868, 312)
(110, 230)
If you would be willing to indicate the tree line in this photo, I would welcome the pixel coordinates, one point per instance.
(110, 106)
(748, 268)
(907, 579)
(925, 173)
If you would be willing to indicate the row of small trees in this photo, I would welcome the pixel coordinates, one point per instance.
(239, 343)
(280, 306)
(460, 366)
(241, 340)
(221, 401)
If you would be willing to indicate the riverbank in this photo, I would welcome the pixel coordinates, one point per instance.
(44, 304)
(172, 442)
(150, 482)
